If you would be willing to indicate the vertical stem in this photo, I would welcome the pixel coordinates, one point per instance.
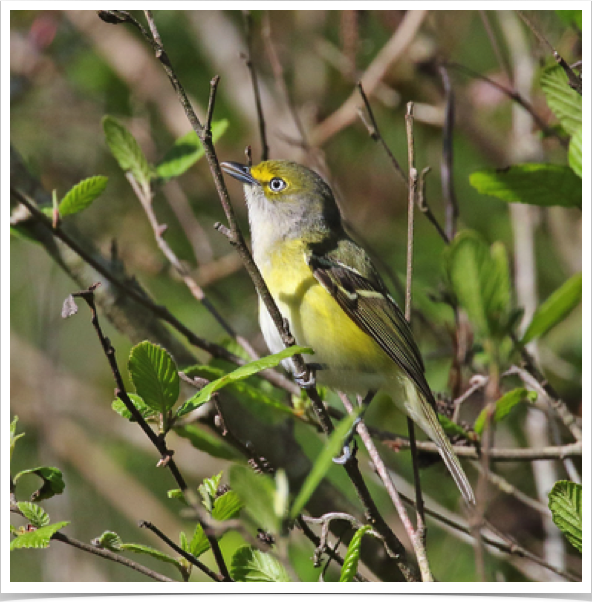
(413, 179)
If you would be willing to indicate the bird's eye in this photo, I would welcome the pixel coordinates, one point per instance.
(277, 184)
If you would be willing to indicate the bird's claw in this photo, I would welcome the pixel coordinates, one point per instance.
(306, 379)
(347, 452)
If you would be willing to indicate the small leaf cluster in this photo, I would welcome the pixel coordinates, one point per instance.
(39, 531)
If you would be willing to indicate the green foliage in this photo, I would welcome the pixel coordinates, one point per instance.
(80, 197)
(451, 428)
(563, 100)
(112, 541)
(571, 17)
(154, 374)
(199, 543)
(126, 150)
(204, 441)
(257, 493)
(350, 562)
(565, 503)
(554, 309)
(39, 538)
(503, 406)
(480, 280)
(208, 490)
(227, 506)
(531, 183)
(575, 153)
(186, 151)
(39, 534)
(322, 464)
(249, 564)
(270, 361)
(147, 412)
(53, 483)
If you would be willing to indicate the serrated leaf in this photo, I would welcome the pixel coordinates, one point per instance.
(479, 278)
(35, 514)
(186, 151)
(208, 489)
(352, 557)
(126, 150)
(249, 564)
(575, 153)
(565, 503)
(80, 197)
(154, 374)
(554, 309)
(227, 506)
(531, 183)
(241, 373)
(256, 492)
(503, 406)
(109, 540)
(199, 543)
(53, 482)
(147, 412)
(39, 538)
(563, 100)
(322, 464)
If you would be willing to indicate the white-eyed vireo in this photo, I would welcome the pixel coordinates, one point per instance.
(333, 297)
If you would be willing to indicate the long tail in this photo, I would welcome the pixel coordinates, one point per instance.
(422, 412)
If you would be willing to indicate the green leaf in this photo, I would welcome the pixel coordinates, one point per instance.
(53, 483)
(565, 503)
(531, 183)
(80, 197)
(154, 374)
(35, 514)
(109, 540)
(126, 150)
(350, 562)
(199, 542)
(37, 539)
(563, 100)
(257, 493)
(571, 17)
(503, 406)
(322, 464)
(241, 373)
(245, 391)
(227, 506)
(208, 490)
(249, 564)
(121, 408)
(204, 441)
(479, 278)
(451, 428)
(176, 494)
(137, 548)
(186, 151)
(554, 309)
(575, 153)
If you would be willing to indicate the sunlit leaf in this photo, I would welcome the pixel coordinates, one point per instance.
(80, 197)
(565, 503)
(249, 564)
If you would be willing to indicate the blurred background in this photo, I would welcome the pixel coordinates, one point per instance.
(69, 69)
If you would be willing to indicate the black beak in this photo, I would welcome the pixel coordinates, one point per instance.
(241, 172)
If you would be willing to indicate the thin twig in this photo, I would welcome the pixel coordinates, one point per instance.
(157, 441)
(574, 80)
(374, 132)
(248, 58)
(109, 555)
(420, 532)
(143, 524)
(446, 165)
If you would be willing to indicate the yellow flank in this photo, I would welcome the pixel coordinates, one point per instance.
(317, 320)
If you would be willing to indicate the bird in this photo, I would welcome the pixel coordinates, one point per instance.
(335, 301)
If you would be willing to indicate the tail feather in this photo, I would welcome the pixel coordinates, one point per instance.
(422, 412)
